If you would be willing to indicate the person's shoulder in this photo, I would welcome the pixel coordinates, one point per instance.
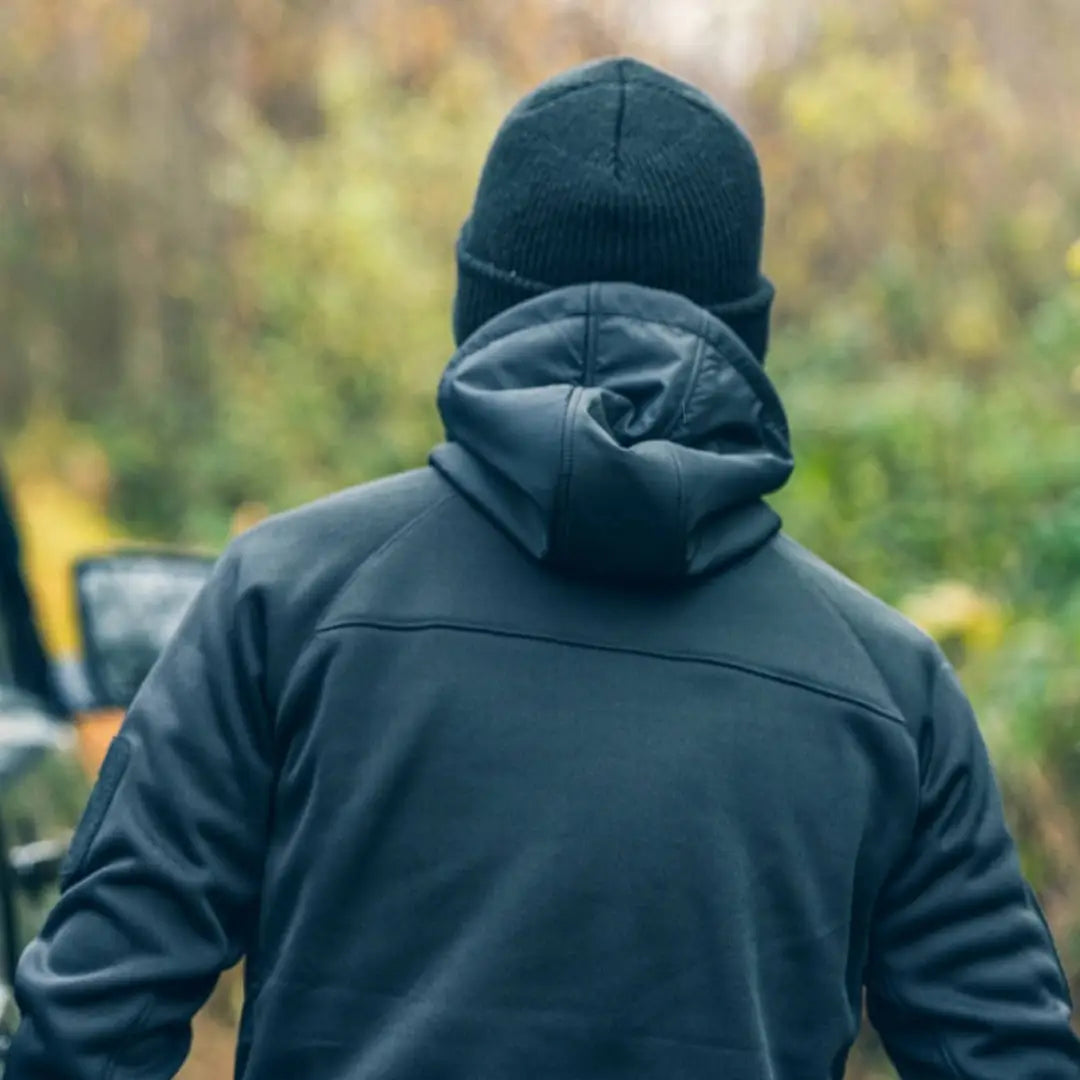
(358, 516)
(869, 616)
(285, 571)
(312, 549)
(904, 655)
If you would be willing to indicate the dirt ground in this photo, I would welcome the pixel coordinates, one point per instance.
(213, 1044)
(212, 1050)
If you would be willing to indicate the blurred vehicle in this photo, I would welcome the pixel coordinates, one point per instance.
(43, 788)
(129, 603)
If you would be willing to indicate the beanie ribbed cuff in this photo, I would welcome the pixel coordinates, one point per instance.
(485, 290)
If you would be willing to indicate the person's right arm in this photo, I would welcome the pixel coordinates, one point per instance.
(963, 980)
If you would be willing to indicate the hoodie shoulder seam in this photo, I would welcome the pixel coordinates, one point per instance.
(730, 663)
(837, 609)
(398, 534)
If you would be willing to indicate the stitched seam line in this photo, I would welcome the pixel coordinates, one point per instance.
(113, 767)
(398, 534)
(589, 373)
(568, 427)
(842, 615)
(680, 424)
(261, 687)
(562, 495)
(616, 156)
(691, 658)
(688, 97)
(679, 507)
(566, 435)
(928, 717)
(726, 124)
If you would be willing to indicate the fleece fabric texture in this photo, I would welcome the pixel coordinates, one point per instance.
(555, 759)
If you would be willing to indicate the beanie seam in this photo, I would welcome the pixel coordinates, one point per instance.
(687, 95)
(718, 116)
(540, 106)
(724, 123)
(620, 115)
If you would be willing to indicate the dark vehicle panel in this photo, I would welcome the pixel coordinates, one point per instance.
(42, 792)
(23, 662)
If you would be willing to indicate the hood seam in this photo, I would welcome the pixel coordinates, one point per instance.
(680, 513)
(566, 466)
(592, 316)
(566, 448)
(661, 499)
(680, 424)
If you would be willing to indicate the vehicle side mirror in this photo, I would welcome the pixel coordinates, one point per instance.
(37, 865)
(129, 605)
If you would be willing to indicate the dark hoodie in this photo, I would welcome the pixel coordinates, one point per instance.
(553, 760)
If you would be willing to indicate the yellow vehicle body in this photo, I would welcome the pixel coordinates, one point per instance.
(57, 527)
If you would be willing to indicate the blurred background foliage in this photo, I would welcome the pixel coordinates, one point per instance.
(226, 271)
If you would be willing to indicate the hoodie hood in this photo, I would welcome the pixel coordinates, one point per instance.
(616, 431)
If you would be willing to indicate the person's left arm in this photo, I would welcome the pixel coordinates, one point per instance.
(161, 884)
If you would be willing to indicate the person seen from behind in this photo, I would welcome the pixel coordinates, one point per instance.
(557, 758)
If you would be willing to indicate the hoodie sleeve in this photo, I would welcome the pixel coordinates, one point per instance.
(160, 888)
(963, 980)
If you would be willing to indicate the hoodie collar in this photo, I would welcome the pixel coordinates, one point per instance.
(616, 431)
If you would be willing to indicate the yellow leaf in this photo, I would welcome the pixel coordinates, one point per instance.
(246, 516)
(855, 102)
(973, 326)
(954, 609)
(1072, 261)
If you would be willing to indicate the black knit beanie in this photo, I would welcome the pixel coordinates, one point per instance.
(615, 171)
